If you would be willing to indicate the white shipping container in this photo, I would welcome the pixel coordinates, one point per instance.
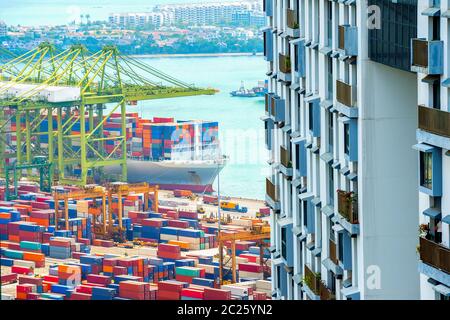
(23, 263)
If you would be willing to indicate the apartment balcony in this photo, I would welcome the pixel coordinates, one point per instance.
(277, 109)
(434, 121)
(285, 161)
(345, 93)
(272, 195)
(325, 292)
(348, 39)
(284, 65)
(292, 29)
(267, 102)
(348, 206)
(435, 255)
(268, 44)
(333, 255)
(312, 282)
(427, 56)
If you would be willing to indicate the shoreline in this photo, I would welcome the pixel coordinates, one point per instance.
(196, 55)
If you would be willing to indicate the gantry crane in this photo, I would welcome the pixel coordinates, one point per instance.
(124, 189)
(90, 88)
(88, 192)
(106, 229)
(258, 235)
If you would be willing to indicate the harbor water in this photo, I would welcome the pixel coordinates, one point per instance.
(240, 128)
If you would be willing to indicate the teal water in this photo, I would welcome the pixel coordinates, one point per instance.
(241, 130)
(54, 12)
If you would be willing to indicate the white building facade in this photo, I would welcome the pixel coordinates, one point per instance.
(430, 60)
(341, 120)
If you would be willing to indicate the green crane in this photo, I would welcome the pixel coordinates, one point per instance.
(94, 86)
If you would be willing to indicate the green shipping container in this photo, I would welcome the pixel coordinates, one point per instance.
(30, 245)
(188, 271)
(13, 254)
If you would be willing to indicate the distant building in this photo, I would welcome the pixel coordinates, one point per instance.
(137, 20)
(3, 29)
(211, 13)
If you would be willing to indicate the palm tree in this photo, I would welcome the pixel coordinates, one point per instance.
(88, 16)
(81, 17)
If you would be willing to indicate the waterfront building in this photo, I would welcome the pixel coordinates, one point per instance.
(430, 61)
(341, 120)
(3, 29)
(208, 13)
(137, 20)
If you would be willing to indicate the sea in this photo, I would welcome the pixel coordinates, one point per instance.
(241, 129)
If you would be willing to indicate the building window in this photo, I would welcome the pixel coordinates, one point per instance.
(347, 138)
(305, 213)
(330, 78)
(436, 95)
(331, 230)
(283, 243)
(330, 132)
(436, 28)
(340, 246)
(311, 117)
(426, 169)
(330, 24)
(331, 191)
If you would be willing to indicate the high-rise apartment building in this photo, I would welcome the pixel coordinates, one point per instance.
(3, 29)
(341, 120)
(430, 60)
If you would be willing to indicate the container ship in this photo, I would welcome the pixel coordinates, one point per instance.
(172, 154)
(161, 151)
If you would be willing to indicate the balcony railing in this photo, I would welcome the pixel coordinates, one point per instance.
(325, 292)
(435, 121)
(273, 104)
(271, 190)
(284, 63)
(420, 53)
(435, 254)
(292, 19)
(285, 158)
(348, 206)
(333, 256)
(312, 280)
(344, 93)
(341, 37)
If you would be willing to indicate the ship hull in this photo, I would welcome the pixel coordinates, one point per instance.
(197, 176)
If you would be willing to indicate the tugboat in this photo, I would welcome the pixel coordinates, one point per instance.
(243, 93)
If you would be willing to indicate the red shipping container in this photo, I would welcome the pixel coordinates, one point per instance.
(84, 289)
(26, 288)
(182, 278)
(217, 294)
(250, 267)
(51, 279)
(33, 296)
(95, 278)
(80, 296)
(60, 243)
(21, 270)
(23, 279)
(193, 293)
(8, 278)
(168, 295)
(169, 248)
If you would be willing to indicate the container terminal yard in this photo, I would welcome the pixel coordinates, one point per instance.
(69, 232)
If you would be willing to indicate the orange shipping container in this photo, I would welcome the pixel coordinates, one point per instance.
(33, 256)
(13, 238)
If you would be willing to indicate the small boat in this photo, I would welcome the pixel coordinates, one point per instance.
(243, 93)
